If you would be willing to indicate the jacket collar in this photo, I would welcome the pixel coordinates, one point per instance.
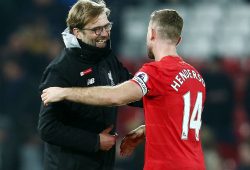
(88, 53)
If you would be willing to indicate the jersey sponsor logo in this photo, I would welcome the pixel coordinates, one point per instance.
(84, 72)
(141, 78)
(90, 81)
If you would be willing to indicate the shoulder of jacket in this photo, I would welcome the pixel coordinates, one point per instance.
(63, 61)
(62, 65)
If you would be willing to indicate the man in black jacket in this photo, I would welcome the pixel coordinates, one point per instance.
(78, 137)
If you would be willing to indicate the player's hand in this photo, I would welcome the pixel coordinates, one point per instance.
(52, 94)
(107, 141)
(131, 140)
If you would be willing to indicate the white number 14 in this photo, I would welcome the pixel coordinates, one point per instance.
(195, 121)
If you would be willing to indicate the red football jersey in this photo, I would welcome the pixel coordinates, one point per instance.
(174, 95)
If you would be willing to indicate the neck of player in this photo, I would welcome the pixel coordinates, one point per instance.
(164, 48)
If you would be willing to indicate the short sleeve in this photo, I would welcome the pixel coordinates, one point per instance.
(146, 78)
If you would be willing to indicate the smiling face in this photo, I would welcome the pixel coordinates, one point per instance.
(88, 21)
(88, 34)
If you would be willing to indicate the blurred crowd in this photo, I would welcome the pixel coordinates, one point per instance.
(31, 38)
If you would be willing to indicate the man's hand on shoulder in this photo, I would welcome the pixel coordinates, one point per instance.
(53, 94)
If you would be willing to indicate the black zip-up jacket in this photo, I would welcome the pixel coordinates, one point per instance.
(71, 130)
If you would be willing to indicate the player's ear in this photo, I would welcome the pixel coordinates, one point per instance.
(179, 40)
(153, 34)
(76, 32)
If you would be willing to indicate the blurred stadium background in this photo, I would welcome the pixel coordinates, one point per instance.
(216, 40)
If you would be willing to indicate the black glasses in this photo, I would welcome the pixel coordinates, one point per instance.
(98, 30)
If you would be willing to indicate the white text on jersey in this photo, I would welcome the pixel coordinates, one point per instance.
(183, 75)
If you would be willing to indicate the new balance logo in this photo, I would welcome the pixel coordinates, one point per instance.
(90, 81)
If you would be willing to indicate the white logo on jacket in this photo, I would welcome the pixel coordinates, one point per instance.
(90, 81)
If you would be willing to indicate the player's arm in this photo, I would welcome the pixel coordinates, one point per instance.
(53, 130)
(121, 94)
